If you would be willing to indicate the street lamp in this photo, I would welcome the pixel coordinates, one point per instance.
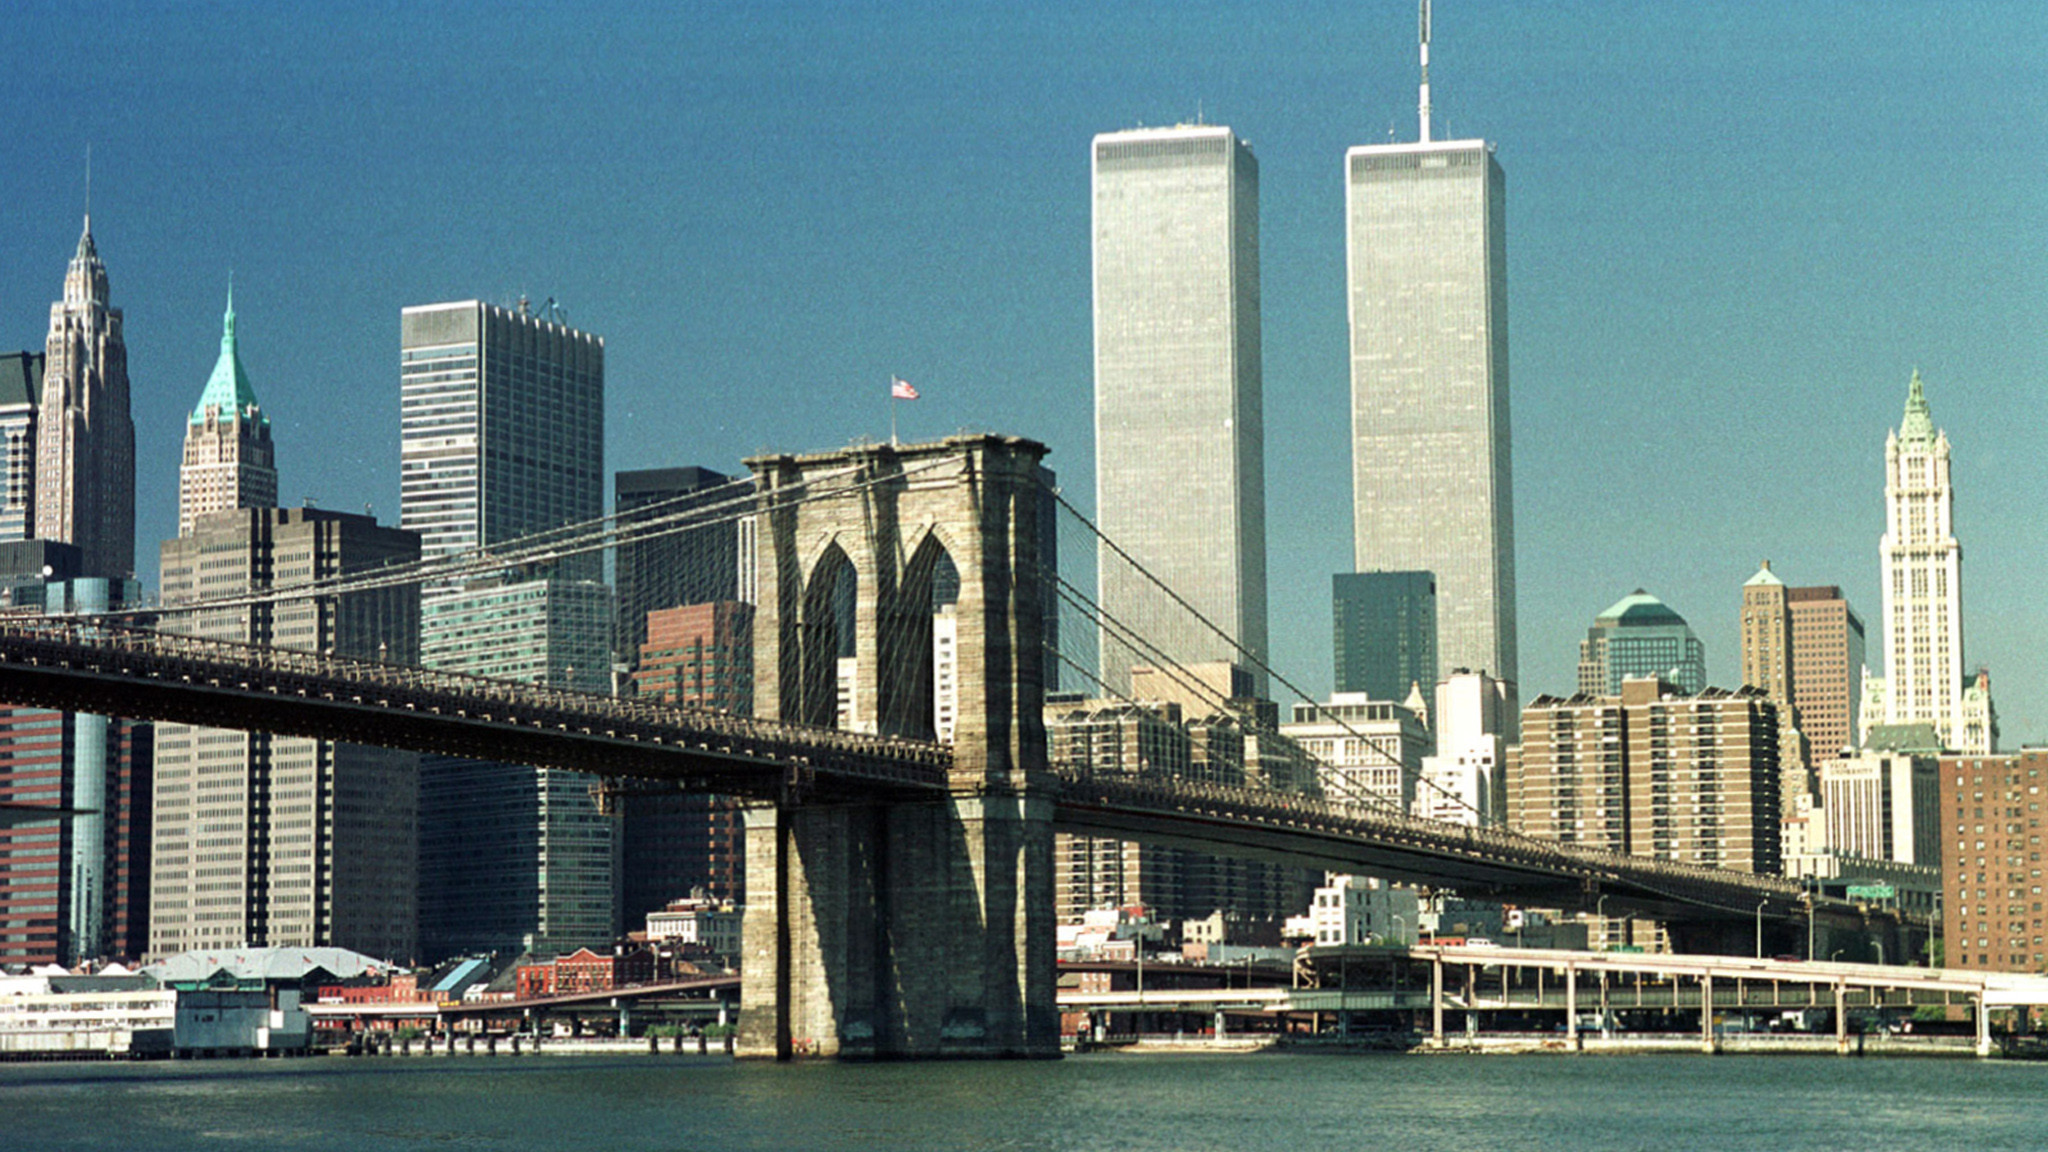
(1401, 930)
(1760, 928)
(1600, 915)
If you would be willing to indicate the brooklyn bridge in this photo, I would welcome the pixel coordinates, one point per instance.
(900, 889)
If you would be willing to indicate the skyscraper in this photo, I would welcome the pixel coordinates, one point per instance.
(671, 569)
(282, 840)
(1639, 635)
(229, 462)
(21, 396)
(1804, 646)
(1922, 580)
(1179, 424)
(78, 889)
(501, 428)
(502, 438)
(1385, 632)
(547, 881)
(85, 441)
(1426, 277)
(1767, 635)
(698, 656)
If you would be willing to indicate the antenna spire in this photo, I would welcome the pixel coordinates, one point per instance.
(88, 185)
(1424, 106)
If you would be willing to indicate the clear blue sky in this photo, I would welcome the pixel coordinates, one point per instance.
(1734, 230)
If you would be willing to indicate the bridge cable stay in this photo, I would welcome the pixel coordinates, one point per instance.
(1637, 867)
(736, 502)
(1108, 624)
(1210, 633)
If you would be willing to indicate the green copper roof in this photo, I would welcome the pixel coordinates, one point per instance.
(1639, 607)
(1917, 425)
(1764, 576)
(228, 389)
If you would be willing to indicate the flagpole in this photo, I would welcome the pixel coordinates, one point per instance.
(892, 412)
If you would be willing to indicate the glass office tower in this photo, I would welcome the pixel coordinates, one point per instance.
(503, 437)
(1179, 426)
(1431, 477)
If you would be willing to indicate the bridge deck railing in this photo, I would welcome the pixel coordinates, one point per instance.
(87, 642)
(1297, 810)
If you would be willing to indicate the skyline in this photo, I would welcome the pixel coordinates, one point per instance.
(1679, 247)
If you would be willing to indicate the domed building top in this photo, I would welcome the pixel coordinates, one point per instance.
(1639, 607)
(228, 390)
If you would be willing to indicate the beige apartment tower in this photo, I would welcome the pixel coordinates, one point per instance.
(1656, 772)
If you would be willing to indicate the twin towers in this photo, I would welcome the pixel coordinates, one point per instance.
(1181, 470)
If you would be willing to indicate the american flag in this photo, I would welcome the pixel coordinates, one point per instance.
(900, 389)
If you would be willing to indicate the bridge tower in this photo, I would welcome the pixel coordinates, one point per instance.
(901, 928)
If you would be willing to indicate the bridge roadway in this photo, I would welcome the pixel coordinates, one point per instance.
(95, 666)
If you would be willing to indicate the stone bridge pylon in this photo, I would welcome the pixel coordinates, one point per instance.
(898, 928)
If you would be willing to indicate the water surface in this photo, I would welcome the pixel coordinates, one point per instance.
(1275, 1100)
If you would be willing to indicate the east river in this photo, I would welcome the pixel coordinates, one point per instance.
(1286, 1101)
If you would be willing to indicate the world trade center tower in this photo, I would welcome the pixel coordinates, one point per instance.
(1179, 423)
(1426, 274)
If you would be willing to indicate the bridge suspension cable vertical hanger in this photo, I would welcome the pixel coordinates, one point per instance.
(1193, 631)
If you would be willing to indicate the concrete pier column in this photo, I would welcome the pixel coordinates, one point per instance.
(1571, 1006)
(1983, 1027)
(1436, 1000)
(1841, 1016)
(1706, 1013)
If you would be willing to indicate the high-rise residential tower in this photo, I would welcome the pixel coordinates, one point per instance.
(1922, 580)
(85, 441)
(1179, 424)
(229, 462)
(1426, 279)
(1653, 771)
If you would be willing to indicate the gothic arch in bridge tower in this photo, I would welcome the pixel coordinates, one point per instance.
(827, 630)
(907, 925)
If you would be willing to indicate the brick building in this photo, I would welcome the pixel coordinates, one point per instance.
(1991, 829)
